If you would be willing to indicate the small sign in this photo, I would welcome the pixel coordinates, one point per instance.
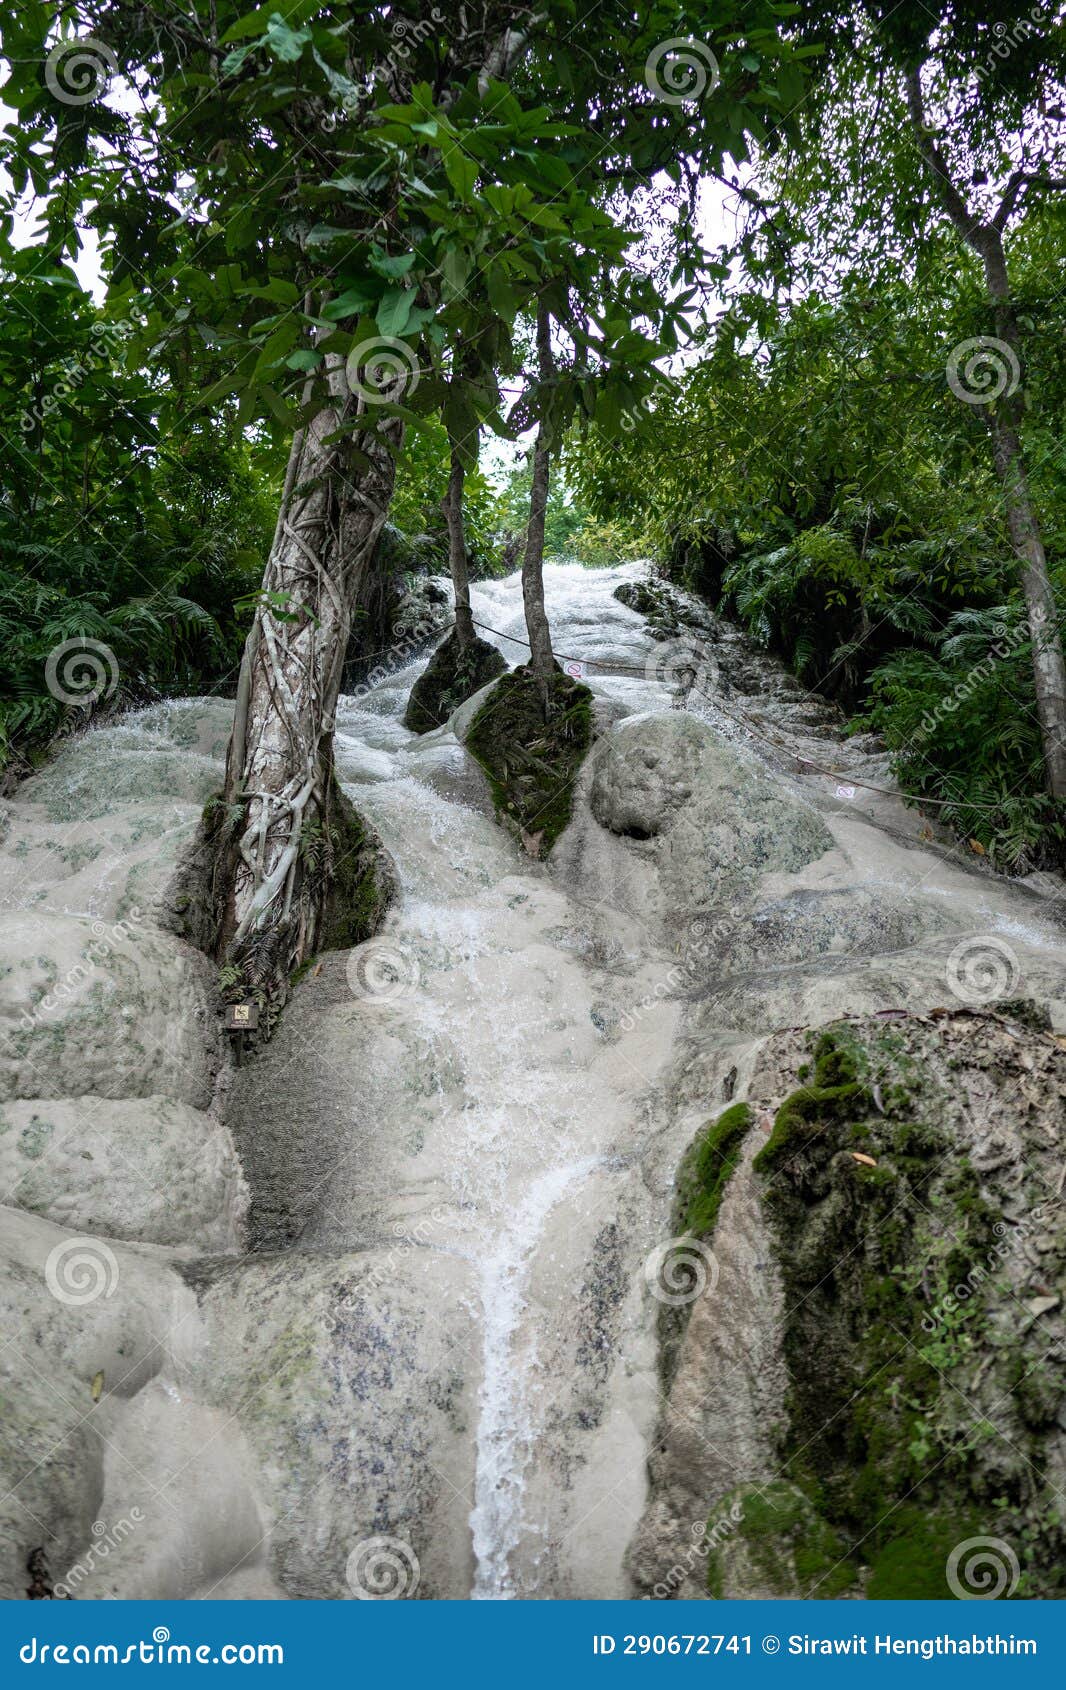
(574, 668)
(845, 792)
(242, 1018)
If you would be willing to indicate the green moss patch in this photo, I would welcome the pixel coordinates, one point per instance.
(709, 1164)
(769, 1540)
(454, 674)
(912, 1564)
(362, 883)
(901, 1312)
(532, 760)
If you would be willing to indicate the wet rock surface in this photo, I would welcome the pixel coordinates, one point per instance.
(400, 1280)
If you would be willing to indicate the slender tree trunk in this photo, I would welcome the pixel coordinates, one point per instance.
(1049, 668)
(542, 658)
(272, 876)
(457, 558)
(986, 240)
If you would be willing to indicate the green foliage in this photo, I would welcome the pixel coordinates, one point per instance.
(814, 477)
(107, 537)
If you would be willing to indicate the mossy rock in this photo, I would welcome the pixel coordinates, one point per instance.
(913, 1563)
(454, 674)
(663, 611)
(914, 1409)
(770, 1541)
(532, 759)
(363, 882)
(708, 1166)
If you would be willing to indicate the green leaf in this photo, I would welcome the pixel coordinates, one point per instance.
(461, 172)
(394, 312)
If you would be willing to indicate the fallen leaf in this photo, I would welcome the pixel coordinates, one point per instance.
(977, 848)
(96, 1389)
(867, 1161)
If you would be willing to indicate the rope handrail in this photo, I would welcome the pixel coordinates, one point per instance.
(842, 776)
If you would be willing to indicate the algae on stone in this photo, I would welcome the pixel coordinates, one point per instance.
(533, 762)
(910, 1414)
(453, 674)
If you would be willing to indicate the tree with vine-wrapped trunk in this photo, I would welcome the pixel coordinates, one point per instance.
(361, 190)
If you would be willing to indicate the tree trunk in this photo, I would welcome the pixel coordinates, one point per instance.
(1049, 668)
(457, 558)
(273, 869)
(986, 240)
(542, 658)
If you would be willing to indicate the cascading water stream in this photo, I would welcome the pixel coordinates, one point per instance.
(512, 1119)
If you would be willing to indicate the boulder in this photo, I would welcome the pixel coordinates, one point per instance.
(454, 673)
(147, 1168)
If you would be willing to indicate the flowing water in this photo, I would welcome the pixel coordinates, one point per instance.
(436, 1328)
(487, 975)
